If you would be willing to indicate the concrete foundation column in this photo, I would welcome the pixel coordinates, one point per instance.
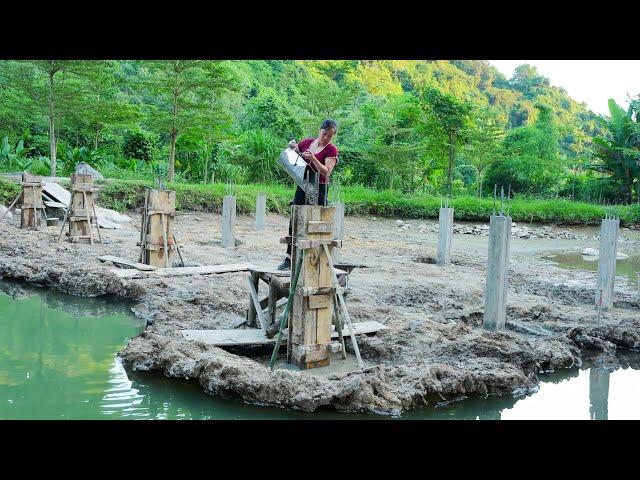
(261, 212)
(228, 221)
(339, 229)
(607, 262)
(445, 234)
(495, 299)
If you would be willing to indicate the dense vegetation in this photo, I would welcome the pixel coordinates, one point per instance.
(420, 127)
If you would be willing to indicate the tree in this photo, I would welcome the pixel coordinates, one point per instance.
(180, 88)
(531, 162)
(99, 102)
(484, 145)
(452, 116)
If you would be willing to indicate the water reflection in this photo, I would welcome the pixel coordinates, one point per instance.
(58, 364)
(599, 393)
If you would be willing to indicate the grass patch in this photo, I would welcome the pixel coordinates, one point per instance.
(129, 194)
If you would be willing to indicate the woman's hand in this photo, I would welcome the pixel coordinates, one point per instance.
(308, 156)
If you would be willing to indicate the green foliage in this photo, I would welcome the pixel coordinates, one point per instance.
(268, 111)
(617, 153)
(121, 195)
(531, 162)
(8, 191)
(422, 127)
(138, 144)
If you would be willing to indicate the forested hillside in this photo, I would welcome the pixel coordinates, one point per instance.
(414, 126)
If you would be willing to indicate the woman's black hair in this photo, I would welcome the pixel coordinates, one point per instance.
(328, 123)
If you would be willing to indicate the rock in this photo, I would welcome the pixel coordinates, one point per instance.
(84, 168)
(621, 256)
(399, 223)
(590, 252)
(4, 209)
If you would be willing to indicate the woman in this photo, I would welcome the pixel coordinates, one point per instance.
(321, 155)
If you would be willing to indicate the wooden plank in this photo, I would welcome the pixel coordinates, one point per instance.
(122, 261)
(319, 301)
(325, 315)
(304, 244)
(310, 278)
(182, 271)
(57, 193)
(255, 336)
(271, 271)
(53, 204)
(320, 226)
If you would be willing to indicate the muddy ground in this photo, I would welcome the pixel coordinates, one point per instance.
(435, 349)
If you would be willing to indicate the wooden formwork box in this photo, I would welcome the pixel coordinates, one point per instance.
(311, 312)
(156, 237)
(31, 201)
(81, 212)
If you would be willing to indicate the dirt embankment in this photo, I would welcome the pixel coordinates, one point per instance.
(434, 350)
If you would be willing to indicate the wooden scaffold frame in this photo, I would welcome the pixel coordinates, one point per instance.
(81, 212)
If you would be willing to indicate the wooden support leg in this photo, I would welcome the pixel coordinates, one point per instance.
(339, 326)
(84, 197)
(66, 215)
(164, 240)
(251, 311)
(35, 210)
(273, 303)
(175, 240)
(344, 307)
(256, 305)
(143, 228)
(96, 217)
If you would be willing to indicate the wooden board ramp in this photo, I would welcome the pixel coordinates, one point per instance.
(126, 263)
(134, 273)
(254, 336)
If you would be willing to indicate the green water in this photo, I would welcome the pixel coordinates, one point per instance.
(57, 361)
(575, 260)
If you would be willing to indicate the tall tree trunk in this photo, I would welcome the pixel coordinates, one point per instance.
(52, 129)
(172, 154)
(452, 159)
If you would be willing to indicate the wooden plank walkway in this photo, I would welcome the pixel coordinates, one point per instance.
(132, 273)
(254, 336)
(126, 263)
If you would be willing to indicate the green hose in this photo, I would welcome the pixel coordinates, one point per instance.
(285, 315)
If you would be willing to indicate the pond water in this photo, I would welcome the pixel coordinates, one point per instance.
(58, 361)
(575, 260)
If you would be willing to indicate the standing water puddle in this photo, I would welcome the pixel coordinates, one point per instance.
(58, 361)
(576, 260)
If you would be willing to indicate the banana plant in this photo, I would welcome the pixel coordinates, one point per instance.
(17, 157)
(619, 150)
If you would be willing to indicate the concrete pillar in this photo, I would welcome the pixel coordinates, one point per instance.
(445, 233)
(598, 393)
(229, 221)
(607, 262)
(495, 299)
(339, 229)
(261, 212)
